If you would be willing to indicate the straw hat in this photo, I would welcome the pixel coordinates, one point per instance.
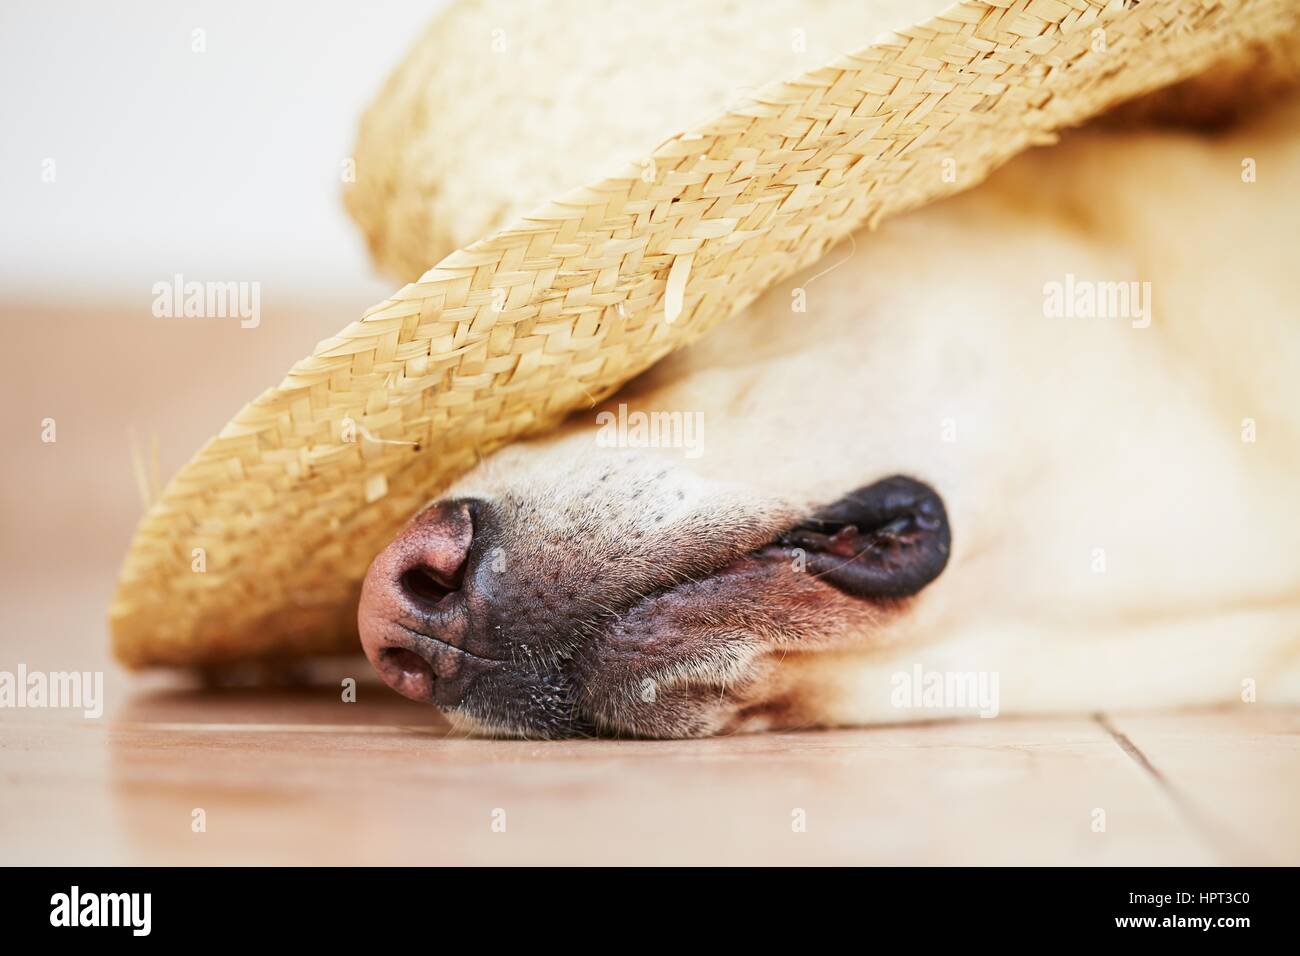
(635, 178)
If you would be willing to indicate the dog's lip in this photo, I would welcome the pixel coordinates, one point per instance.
(778, 547)
(776, 550)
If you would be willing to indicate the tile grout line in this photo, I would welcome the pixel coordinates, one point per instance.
(1221, 841)
(1132, 749)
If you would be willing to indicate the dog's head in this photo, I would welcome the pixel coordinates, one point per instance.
(567, 588)
(664, 564)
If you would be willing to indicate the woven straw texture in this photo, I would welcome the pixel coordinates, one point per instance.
(557, 308)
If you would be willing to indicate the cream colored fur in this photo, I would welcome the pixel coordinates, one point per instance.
(1117, 542)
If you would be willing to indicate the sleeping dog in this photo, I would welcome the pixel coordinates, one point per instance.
(1034, 448)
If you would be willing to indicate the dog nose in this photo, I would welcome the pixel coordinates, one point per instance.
(411, 618)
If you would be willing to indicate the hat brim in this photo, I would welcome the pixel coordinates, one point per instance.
(257, 547)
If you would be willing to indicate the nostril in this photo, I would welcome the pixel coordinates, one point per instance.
(426, 587)
(406, 672)
(428, 560)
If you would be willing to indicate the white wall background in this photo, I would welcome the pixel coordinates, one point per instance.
(221, 165)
